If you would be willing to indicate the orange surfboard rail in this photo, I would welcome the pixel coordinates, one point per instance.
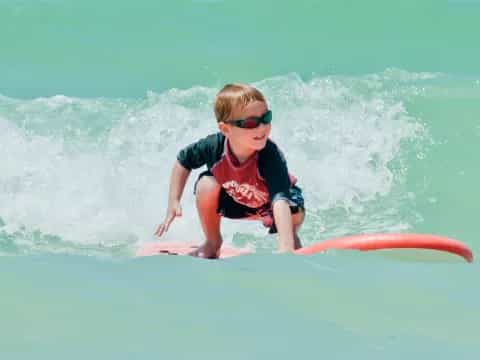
(366, 242)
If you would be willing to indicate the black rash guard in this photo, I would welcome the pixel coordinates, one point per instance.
(260, 180)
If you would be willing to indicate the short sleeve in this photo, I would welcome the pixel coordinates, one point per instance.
(200, 153)
(273, 168)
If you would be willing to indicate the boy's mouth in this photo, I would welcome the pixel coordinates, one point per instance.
(259, 137)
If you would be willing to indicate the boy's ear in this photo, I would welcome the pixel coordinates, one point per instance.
(224, 128)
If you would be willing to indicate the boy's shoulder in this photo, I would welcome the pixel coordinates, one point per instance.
(214, 142)
(212, 146)
(271, 149)
(215, 138)
(209, 142)
(203, 151)
(270, 145)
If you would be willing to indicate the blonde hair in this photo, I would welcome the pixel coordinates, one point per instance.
(234, 96)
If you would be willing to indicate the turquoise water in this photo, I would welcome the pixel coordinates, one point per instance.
(377, 106)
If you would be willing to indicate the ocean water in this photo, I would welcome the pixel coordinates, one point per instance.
(377, 108)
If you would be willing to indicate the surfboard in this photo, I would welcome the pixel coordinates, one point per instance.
(363, 242)
(368, 242)
(184, 249)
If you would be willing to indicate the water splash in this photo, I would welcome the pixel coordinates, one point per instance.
(93, 173)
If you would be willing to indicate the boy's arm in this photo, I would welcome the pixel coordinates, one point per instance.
(273, 168)
(178, 179)
(191, 157)
(283, 221)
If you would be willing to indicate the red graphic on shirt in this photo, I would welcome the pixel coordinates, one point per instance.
(246, 194)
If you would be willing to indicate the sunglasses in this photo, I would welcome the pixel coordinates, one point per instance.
(253, 121)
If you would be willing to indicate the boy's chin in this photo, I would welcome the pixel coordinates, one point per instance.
(259, 145)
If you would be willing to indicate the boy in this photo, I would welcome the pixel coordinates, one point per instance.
(247, 176)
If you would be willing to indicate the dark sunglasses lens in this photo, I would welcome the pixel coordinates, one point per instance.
(267, 117)
(250, 123)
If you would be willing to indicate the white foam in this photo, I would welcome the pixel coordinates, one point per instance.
(110, 187)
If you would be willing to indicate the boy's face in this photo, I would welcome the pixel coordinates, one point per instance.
(253, 139)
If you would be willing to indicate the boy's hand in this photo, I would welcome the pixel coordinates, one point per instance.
(173, 211)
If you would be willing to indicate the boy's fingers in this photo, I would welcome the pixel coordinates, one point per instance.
(163, 227)
(160, 230)
(169, 221)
